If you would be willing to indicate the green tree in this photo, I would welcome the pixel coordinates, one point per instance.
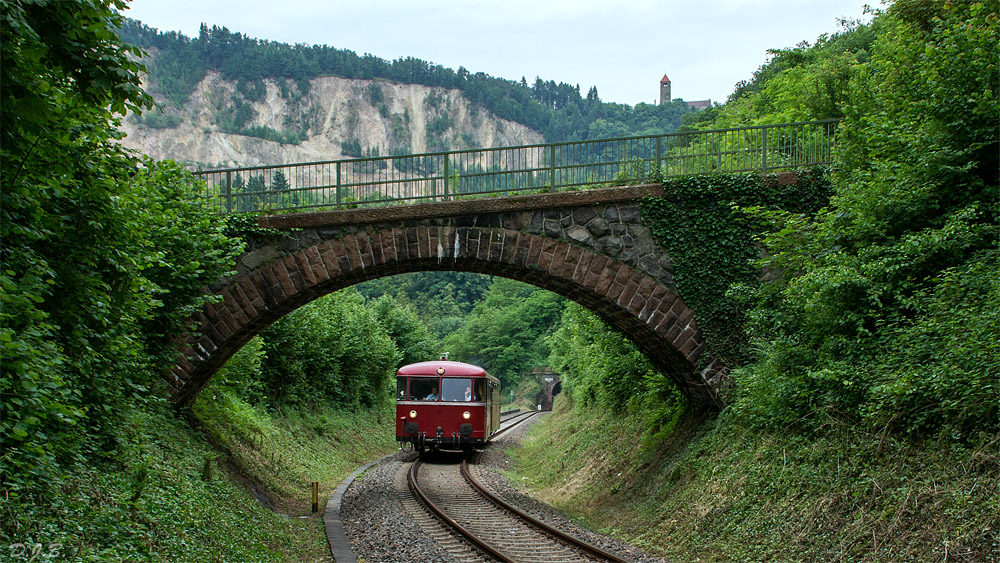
(861, 319)
(251, 195)
(280, 190)
(805, 82)
(279, 182)
(414, 341)
(333, 351)
(442, 300)
(506, 331)
(103, 254)
(601, 366)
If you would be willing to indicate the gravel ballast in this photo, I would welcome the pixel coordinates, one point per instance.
(381, 530)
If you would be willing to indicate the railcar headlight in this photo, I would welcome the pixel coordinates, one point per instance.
(466, 415)
(413, 414)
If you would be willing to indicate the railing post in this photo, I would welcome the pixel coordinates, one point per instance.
(720, 146)
(659, 154)
(446, 178)
(340, 196)
(763, 150)
(552, 166)
(229, 191)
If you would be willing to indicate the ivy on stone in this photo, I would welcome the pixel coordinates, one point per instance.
(703, 224)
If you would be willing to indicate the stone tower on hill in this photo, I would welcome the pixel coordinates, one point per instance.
(664, 90)
(666, 99)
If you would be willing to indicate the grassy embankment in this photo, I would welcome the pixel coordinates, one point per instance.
(177, 493)
(718, 491)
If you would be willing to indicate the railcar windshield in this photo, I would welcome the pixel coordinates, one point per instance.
(459, 389)
(420, 389)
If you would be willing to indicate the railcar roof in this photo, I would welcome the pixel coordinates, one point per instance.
(450, 369)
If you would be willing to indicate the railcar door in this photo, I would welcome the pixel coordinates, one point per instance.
(495, 405)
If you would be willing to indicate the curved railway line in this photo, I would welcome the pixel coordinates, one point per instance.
(512, 419)
(499, 531)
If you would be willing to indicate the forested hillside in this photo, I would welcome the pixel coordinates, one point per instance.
(178, 67)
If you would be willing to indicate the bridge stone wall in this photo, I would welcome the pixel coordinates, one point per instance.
(590, 246)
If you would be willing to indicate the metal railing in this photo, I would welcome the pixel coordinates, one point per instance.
(439, 176)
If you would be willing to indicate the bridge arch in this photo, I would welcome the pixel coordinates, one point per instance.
(590, 247)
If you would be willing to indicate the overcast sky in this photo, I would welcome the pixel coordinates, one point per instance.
(623, 47)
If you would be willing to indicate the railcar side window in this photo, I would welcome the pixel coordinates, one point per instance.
(424, 389)
(456, 389)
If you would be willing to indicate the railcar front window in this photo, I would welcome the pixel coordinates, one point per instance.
(457, 390)
(423, 389)
(401, 389)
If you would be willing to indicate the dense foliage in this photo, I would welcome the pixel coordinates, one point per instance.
(713, 254)
(498, 323)
(494, 322)
(336, 351)
(875, 299)
(104, 253)
(510, 328)
(558, 111)
(802, 83)
(165, 499)
(331, 351)
(601, 368)
(441, 300)
(505, 332)
(343, 349)
(884, 308)
(864, 425)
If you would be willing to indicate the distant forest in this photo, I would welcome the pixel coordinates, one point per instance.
(558, 111)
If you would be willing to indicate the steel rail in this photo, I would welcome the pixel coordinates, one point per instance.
(486, 494)
(518, 419)
(558, 534)
(471, 537)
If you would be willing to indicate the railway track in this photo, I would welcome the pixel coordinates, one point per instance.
(512, 420)
(498, 531)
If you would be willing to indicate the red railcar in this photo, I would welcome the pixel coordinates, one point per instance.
(446, 405)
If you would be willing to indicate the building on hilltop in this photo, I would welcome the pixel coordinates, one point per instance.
(665, 96)
(664, 90)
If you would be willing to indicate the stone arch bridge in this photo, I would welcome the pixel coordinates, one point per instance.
(589, 246)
